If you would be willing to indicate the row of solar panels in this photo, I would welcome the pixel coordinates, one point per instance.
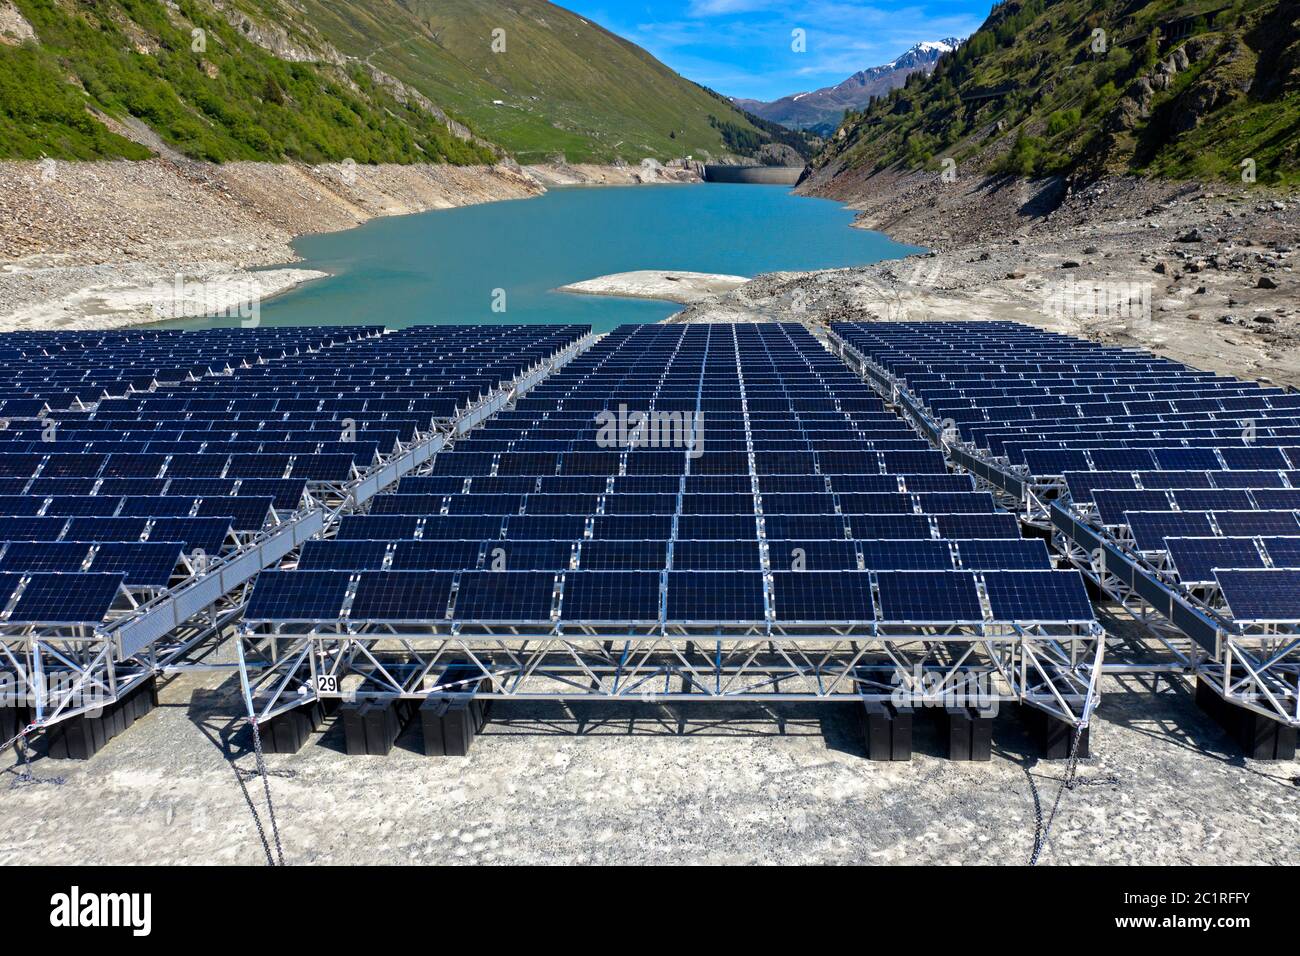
(661, 527)
(1201, 477)
(705, 597)
(143, 488)
(498, 535)
(682, 554)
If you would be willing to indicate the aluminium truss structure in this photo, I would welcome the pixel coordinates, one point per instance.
(1052, 667)
(52, 673)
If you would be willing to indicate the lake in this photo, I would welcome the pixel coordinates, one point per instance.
(453, 265)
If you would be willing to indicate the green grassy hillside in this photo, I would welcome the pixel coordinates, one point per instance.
(565, 84)
(231, 100)
(1171, 89)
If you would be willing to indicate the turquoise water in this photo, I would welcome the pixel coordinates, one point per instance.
(448, 265)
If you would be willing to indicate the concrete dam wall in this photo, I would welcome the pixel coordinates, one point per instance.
(760, 175)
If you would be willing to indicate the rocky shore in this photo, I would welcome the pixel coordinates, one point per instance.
(97, 245)
(1203, 274)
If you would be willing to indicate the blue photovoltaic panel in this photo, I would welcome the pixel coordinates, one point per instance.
(21, 505)
(878, 504)
(1111, 505)
(1150, 528)
(1029, 597)
(66, 598)
(523, 596)
(978, 526)
(715, 596)
(716, 556)
(145, 564)
(803, 555)
(1196, 559)
(209, 535)
(632, 527)
(1283, 552)
(1262, 596)
(842, 597)
(106, 529)
(401, 596)
(928, 596)
(1247, 523)
(407, 505)
(377, 527)
(449, 555)
(297, 596)
(549, 527)
(909, 527)
(1004, 555)
(342, 555)
(903, 555)
(803, 527)
(44, 556)
(611, 596)
(511, 555)
(31, 529)
(624, 555)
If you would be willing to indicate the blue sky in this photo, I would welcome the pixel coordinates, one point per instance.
(743, 47)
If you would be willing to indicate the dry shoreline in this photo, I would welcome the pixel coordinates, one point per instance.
(102, 245)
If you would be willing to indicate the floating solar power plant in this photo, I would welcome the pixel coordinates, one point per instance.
(177, 464)
(1159, 481)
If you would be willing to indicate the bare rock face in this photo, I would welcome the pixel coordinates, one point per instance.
(14, 28)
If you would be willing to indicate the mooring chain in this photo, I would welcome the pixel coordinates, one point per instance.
(272, 859)
(1043, 829)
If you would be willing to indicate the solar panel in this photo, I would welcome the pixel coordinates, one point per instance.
(106, 529)
(623, 555)
(511, 555)
(144, 564)
(716, 556)
(928, 596)
(209, 535)
(1196, 559)
(715, 596)
(245, 513)
(1262, 597)
(1283, 552)
(31, 529)
(377, 527)
(1111, 505)
(902, 555)
(556, 527)
(843, 597)
(978, 526)
(399, 504)
(1244, 523)
(66, 598)
(44, 556)
(1150, 528)
(611, 596)
(342, 555)
(629, 527)
(804, 527)
(1004, 555)
(401, 596)
(521, 596)
(1029, 597)
(297, 596)
(805, 555)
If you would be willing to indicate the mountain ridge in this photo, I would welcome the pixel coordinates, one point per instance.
(822, 109)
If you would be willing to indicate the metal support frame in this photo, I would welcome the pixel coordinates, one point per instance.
(60, 672)
(1051, 667)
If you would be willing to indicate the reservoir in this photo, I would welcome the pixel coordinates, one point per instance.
(500, 262)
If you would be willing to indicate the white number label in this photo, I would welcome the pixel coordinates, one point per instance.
(327, 684)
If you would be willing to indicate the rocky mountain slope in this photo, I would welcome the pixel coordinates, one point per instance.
(821, 110)
(1207, 90)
